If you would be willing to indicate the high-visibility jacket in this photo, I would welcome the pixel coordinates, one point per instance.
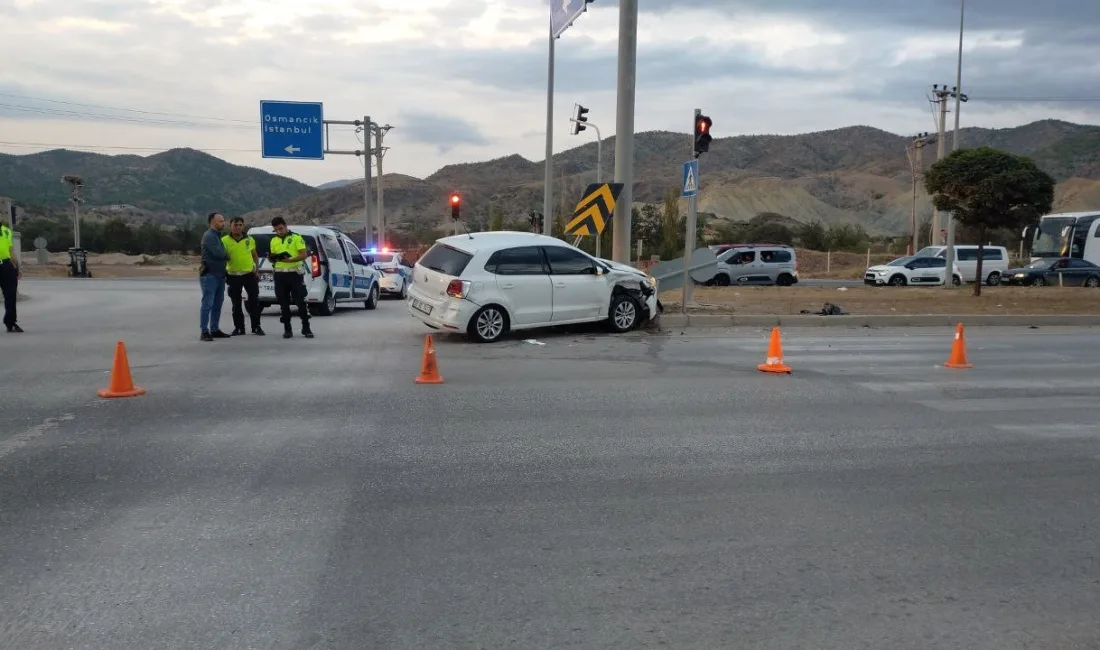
(293, 244)
(6, 238)
(240, 254)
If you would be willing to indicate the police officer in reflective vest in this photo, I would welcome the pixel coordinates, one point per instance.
(287, 255)
(9, 277)
(242, 273)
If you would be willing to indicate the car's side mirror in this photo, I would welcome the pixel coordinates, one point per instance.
(598, 270)
(368, 260)
(910, 266)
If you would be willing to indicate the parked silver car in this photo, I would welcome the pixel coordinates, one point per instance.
(757, 264)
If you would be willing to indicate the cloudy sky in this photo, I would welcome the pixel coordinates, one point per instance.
(465, 80)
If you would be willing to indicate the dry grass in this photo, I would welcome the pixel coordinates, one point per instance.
(863, 301)
(838, 266)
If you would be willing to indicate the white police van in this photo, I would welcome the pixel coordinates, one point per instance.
(336, 270)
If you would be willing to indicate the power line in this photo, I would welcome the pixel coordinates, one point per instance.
(128, 110)
(96, 147)
(1036, 99)
(97, 117)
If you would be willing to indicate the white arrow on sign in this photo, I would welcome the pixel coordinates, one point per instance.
(291, 149)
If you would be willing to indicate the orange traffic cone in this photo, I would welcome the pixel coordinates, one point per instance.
(429, 369)
(958, 351)
(122, 384)
(774, 362)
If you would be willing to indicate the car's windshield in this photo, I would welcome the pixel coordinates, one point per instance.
(1049, 239)
(899, 261)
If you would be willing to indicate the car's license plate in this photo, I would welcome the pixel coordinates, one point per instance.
(421, 307)
(267, 287)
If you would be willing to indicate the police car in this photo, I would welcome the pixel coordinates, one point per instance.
(396, 271)
(336, 270)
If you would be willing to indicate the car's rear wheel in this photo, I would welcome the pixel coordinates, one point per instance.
(897, 281)
(1038, 282)
(785, 280)
(328, 305)
(722, 280)
(623, 315)
(404, 290)
(1092, 281)
(994, 279)
(372, 299)
(488, 324)
(956, 280)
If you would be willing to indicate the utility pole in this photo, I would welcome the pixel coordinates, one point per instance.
(624, 129)
(380, 151)
(959, 98)
(940, 93)
(914, 152)
(368, 221)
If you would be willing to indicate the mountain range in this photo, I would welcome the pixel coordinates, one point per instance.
(856, 174)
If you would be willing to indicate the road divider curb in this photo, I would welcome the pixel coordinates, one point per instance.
(669, 321)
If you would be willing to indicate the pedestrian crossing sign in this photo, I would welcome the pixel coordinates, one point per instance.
(690, 185)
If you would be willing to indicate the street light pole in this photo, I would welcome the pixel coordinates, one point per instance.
(624, 129)
(950, 252)
(548, 175)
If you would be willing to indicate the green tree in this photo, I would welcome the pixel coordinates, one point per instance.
(989, 189)
(813, 236)
(672, 227)
(496, 218)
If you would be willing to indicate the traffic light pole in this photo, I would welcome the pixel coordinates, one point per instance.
(688, 295)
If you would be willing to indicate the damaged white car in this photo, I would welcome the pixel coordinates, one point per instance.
(489, 283)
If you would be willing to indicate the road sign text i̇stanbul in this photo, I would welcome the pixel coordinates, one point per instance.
(292, 130)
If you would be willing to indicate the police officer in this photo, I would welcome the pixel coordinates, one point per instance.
(242, 272)
(9, 277)
(287, 256)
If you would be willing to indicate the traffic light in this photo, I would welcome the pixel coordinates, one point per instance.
(456, 206)
(579, 113)
(702, 134)
(535, 219)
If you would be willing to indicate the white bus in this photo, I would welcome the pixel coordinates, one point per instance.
(1066, 234)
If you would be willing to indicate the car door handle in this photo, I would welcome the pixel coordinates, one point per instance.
(559, 285)
(508, 286)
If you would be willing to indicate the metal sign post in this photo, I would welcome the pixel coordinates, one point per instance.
(298, 130)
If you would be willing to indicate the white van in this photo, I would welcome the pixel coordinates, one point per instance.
(336, 270)
(995, 260)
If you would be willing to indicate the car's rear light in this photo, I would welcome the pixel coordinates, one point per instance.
(315, 265)
(389, 269)
(458, 288)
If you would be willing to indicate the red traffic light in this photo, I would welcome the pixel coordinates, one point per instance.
(455, 199)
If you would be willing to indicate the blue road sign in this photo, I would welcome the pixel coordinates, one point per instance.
(292, 130)
(690, 183)
(563, 13)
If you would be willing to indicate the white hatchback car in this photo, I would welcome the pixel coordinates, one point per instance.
(488, 283)
(911, 271)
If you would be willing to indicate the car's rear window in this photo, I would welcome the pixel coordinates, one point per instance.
(382, 258)
(263, 243)
(446, 260)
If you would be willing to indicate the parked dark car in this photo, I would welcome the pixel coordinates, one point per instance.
(1073, 272)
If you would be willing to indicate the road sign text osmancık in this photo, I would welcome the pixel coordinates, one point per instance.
(292, 130)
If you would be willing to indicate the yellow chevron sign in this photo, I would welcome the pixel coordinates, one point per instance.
(592, 213)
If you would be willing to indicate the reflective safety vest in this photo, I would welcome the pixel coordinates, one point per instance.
(5, 243)
(240, 254)
(292, 244)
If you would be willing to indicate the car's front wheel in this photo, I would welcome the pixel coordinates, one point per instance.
(994, 279)
(623, 315)
(897, 281)
(1092, 281)
(372, 299)
(956, 280)
(488, 324)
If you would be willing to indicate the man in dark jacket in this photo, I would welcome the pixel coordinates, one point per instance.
(212, 278)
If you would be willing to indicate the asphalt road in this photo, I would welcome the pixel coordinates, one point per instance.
(595, 491)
